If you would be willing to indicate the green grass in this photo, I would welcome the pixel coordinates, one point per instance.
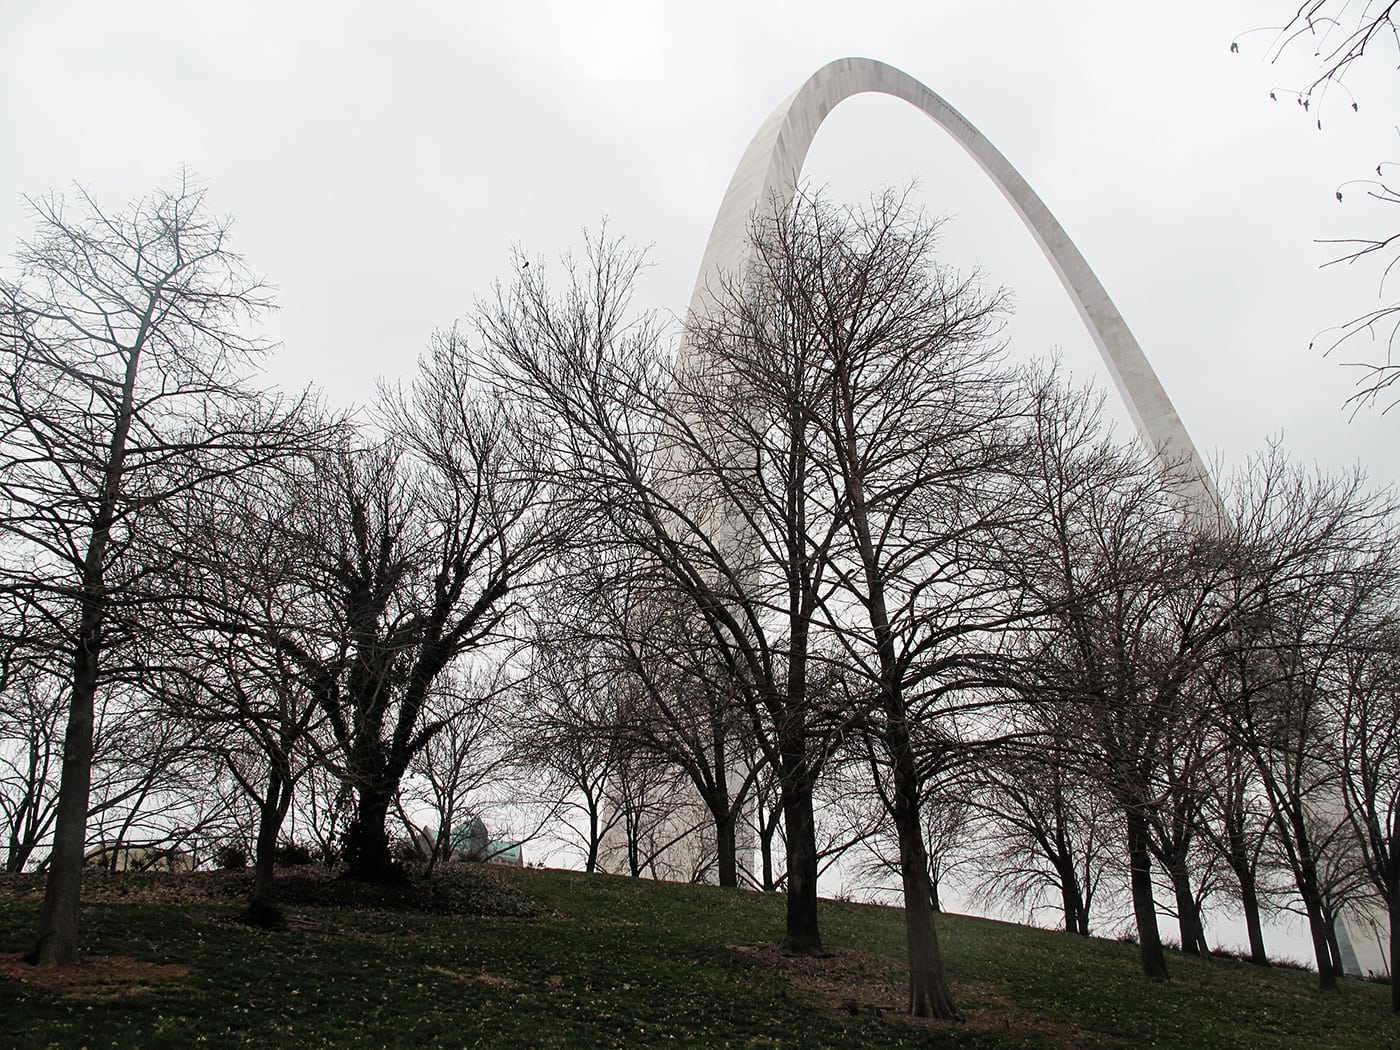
(618, 962)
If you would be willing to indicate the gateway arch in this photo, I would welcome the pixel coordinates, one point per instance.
(766, 179)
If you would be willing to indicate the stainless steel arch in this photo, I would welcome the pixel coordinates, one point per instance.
(767, 178)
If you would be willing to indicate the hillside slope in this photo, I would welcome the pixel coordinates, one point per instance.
(609, 961)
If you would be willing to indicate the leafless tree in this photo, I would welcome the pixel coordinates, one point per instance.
(123, 379)
(1317, 539)
(438, 533)
(467, 768)
(1133, 600)
(950, 832)
(701, 472)
(239, 615)
(765, 816)
(877, 368)
(566, 737)
(677, 702)
(1340, 33)
(1368, 713)
(1237, 821)
(1046, 830)
(150, 777)
(31, 740)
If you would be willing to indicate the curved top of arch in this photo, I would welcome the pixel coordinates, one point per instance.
(767, 177)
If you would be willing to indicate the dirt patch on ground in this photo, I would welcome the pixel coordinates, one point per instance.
(845, 980)
(96, 977)
(840, 978)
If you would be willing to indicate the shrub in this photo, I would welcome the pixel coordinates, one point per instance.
(292, 854)
(231, 857)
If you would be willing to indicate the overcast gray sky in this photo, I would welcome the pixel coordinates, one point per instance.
(381, 161)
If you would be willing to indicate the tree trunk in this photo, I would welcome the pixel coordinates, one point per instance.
(767, 828)
(721, 811)
(1333, 948)
(590, 863)
(57, 944)
(727, 852)
(1069, 901)
(1154, 960)
(1188, 917)
(929, 995)
(1322, 950)
(802, 936)
(367, 838)
(1249, 897)
(262, 905)
(1395, 947)
(1249, 903)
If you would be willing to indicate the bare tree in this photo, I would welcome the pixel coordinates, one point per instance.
(1237, 821)
(1340, 33)
(1134, 601)
(440, 530)
(123, 384)
(150, 777)
(701, 472)
(913, 415)
(31, 741)
(765, 817)
(1313, 540)
(468, 766)
(566, 737)
(674, 699)
(1046, 831)
(1368, 709)
(241, 612)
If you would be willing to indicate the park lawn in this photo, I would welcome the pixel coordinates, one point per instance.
(610, 961)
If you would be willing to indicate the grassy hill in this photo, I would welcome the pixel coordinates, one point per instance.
(569, 960)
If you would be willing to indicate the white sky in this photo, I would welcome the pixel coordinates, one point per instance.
(381, 161)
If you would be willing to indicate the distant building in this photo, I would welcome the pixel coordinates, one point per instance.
(135, 857)
(468, 841)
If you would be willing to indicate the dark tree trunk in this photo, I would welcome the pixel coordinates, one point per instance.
(272, 810)
(590, 863)
(768, 828)
(721, 811)
(1333, 948)
(1249, 895)
(726, 845)
(929, 995)
(1072, 901)
(1319, 928)
(1322, 950)
(1069, 901)
(634, 857)
(1154, 960)
(1249, 903)
(1395, 947)
(367, 838)
(802, 936)
(57, 944)
(1188, 916)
